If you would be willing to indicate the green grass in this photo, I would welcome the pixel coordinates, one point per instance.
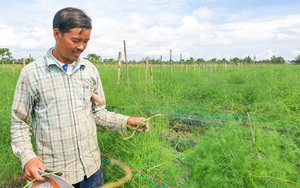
(10, 166)
(235, 156)
(225, 142)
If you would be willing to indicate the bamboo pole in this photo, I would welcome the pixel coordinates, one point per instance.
(171, 61)
(181, 64)
(13, 67)
(160, 62)
(125, 54)
(151, 72)
(23, 62)
(186, 68)
(119, 67)
(146, 70)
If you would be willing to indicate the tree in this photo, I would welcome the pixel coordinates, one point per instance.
(190, 61)
(213, 60)
(277, 60)
(29, 60)
(236, 60)
(297, 60)
(248, 60)
(223, 61)
(94, 58)
(5, 54)
(200, 60)
(110, 61)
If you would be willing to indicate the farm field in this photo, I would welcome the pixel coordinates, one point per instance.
(221, 126)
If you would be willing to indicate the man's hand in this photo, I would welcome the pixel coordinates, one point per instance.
(134, 122)
(31, 169)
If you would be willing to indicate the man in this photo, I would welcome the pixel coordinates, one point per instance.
(55, 92)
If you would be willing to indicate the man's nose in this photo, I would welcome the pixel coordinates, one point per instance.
(81, 47)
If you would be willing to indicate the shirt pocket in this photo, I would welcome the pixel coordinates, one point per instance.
(82, 93)
(86, 95)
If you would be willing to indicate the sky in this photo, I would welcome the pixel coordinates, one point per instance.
(151, 28)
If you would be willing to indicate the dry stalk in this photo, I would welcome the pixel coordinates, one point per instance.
(144, 126)
(121, 181)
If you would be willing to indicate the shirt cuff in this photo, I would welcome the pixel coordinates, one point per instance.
(124, 124)
(26, 156)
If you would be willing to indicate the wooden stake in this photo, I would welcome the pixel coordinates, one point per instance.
(151, 72)
(171, 60)
(186, 68)
(160, 62)
(119, 67)
(23, 62)
(147, 64)
(125, 54)
(181, 64)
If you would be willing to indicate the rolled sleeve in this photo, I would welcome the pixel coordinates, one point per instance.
(104, 118)
(21, 143)
(20, 128)
(26, 156)
(111, 121)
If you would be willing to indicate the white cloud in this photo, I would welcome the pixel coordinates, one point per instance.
(204, 13)
(134, 22)
(263, 55)
(151, 28)
(7, 37)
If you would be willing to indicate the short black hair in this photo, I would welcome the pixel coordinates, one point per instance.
(69, 18)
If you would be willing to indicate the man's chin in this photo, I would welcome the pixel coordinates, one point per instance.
(75, 57)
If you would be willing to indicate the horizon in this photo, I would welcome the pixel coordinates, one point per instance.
(194, 28)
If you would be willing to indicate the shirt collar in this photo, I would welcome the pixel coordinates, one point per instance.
(53, 61)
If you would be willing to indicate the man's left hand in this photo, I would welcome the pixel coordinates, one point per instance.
(138, 122)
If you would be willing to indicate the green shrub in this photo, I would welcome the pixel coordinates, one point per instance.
(235, 156)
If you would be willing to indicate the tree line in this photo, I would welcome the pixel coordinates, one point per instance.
(7, 58)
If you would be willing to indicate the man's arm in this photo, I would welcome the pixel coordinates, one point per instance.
(106, 119)
(21, 130)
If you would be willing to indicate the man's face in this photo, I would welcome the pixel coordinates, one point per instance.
(70, 45)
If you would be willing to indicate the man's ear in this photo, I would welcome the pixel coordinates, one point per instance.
(56, 34)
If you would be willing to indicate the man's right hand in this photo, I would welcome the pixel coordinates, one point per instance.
(31, 169)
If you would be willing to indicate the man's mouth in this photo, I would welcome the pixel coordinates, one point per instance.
(77, 52)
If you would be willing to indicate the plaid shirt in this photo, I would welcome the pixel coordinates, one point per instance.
(63, 117)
